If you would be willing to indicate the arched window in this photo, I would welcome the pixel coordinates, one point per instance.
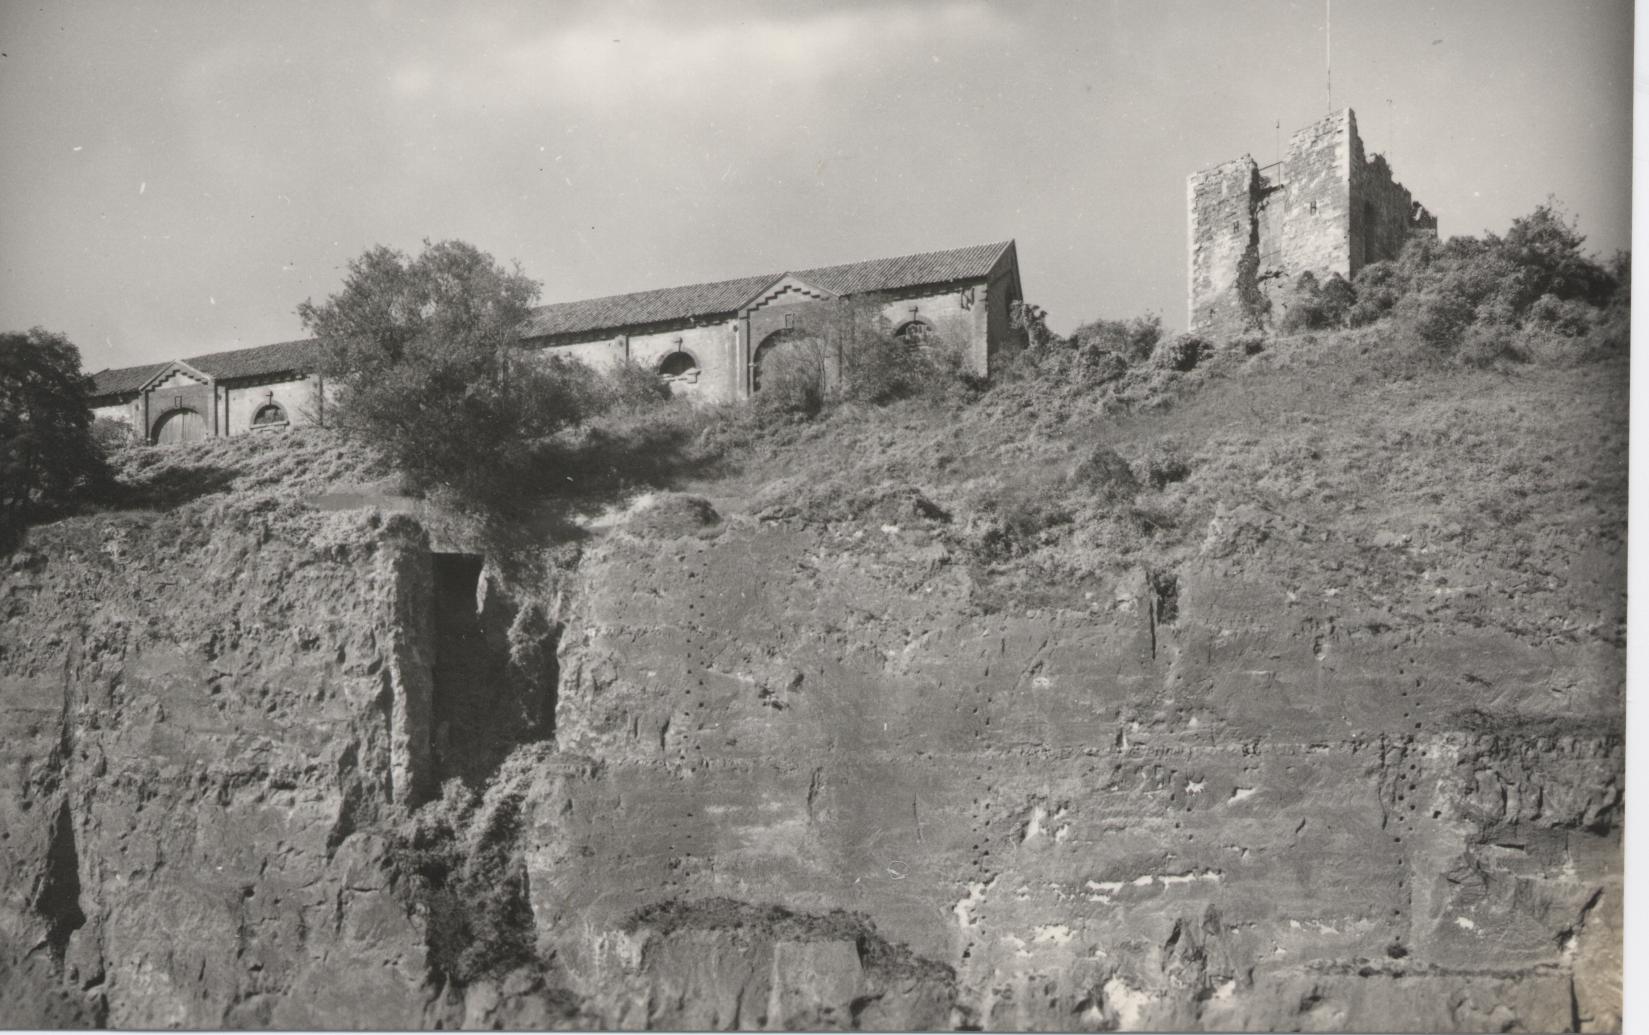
(915, 332)
(269, 413)
(677, 363)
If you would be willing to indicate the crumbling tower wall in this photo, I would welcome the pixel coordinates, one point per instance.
(1326, 207)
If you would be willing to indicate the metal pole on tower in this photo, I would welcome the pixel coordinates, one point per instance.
(1328, 50)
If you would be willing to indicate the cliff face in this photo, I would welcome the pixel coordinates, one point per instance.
(1290, 741)
(1252, 810)
(200, 736)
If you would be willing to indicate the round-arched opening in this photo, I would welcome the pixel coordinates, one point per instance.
(179, 425)
(677, 363)
(784, 353)
(269, 413)
(914, 332)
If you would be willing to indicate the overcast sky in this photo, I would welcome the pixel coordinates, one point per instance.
(178, 176)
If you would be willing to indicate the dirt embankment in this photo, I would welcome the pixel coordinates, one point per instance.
(1280, 739)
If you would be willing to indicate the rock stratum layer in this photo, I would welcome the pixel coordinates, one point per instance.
(798, 777)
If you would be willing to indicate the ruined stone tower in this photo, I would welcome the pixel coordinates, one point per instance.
(1324, 207)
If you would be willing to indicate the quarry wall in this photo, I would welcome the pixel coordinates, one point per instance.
(1243, 810)
(204, 726)
(818, 800)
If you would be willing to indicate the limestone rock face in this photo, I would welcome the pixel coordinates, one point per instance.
(198, 735)
(798, 780)
(1256, 808)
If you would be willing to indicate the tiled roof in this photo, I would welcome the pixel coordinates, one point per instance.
(725, 296)
(124, 379)
(664, 304)
(613, 311)
(283, 357)
(907, 270)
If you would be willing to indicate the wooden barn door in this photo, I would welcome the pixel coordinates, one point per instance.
(184, 425)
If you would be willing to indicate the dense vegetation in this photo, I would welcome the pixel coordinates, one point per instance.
(48, 457)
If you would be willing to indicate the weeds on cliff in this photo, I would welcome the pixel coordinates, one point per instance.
(458, 865)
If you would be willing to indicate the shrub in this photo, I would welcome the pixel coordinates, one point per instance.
(1032, 321)
(1096, 353)
(1164, 464)
(1483, 300)
(796, 378)
(460, 864)
(1566, 317)
(1107, 474)
(848, 351)
(628, 385)
(1182, 352)
(1309, 306)
(1133, 340)
(1018, 527)
(111, 434)
(1438, 317)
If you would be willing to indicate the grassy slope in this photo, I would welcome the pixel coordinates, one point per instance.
(1492, 497)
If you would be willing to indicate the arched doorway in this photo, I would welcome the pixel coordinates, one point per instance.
(787, 354)
(180, 425)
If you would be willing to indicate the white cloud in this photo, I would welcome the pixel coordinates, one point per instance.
(617, 60)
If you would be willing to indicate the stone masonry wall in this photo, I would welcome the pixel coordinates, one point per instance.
(1326, 208)
(1223, 230)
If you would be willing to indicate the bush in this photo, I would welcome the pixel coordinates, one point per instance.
(1107, 474)
(111, 434)
(1182, 352)
(796, 381)
(1132, 340)
(1566, 317)
(1098, 352)
(1164, 464)
(1484, 300)
(1310, 307)
(1018, 527)
(1017, 516)
(630, 386)
(848, 351)
(460, 864)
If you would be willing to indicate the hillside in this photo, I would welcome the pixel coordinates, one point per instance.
(1284, 691)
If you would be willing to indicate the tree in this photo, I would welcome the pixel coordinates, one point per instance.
(48, 458)
(428, 355)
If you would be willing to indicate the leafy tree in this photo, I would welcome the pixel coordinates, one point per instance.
(47, 455)
(433, 373)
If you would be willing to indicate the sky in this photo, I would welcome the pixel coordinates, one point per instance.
(178, 175)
